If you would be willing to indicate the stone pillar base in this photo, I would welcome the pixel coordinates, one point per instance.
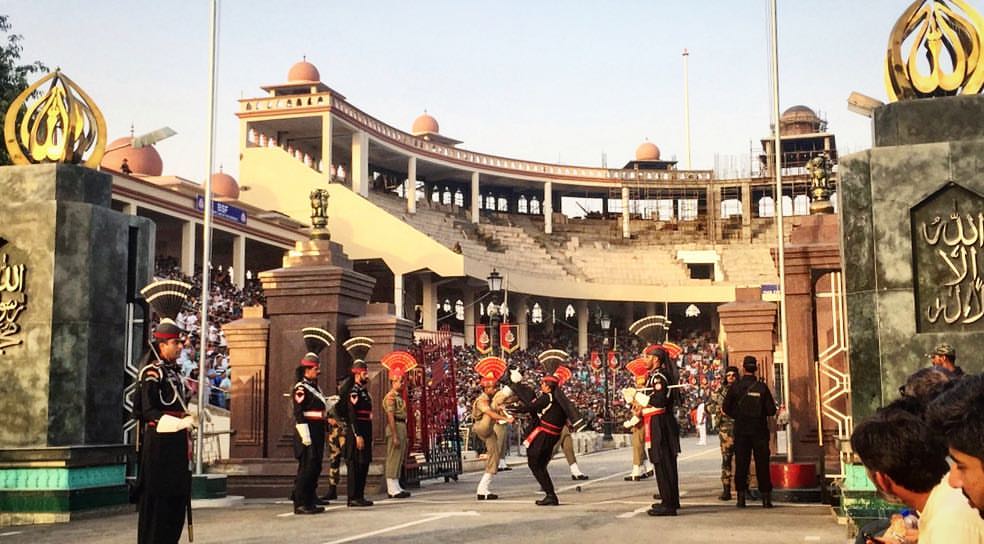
(59, 484)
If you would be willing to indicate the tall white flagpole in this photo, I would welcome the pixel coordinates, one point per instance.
(213, 30)
(686, 102)
(777, 168)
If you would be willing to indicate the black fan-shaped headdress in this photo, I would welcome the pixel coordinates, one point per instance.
(315, 340)
(166, 298)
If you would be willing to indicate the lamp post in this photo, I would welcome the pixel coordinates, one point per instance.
(495, 287)
(606, 323)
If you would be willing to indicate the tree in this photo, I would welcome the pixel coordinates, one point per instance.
(13, 76)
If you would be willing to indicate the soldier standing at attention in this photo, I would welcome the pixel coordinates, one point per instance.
(726, 430)
(310, 418)
(357, 418)
(398, 364)
(750, 403)
(164, 481)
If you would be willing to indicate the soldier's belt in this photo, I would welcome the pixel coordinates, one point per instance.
(650, 411)
(400, 420)
(314, 414)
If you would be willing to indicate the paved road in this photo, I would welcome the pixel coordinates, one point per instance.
(605, 509)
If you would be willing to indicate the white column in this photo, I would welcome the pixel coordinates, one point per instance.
(548, 207)
(582, 327)
(188, 248)
(650, 309)
(412, 185)
(428, 303)
(326, 146)
(476, 198)
(398, 294)
(239, 261)
(468, 299)
(360, 164)
(626, 231)
(129, 208)
(522, 320)
(629, 311)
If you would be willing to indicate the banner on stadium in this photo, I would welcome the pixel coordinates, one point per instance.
(483, 342)
(507, 337)
(612, 360)
(595, 361)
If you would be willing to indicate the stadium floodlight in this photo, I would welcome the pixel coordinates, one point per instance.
(153, 137)
(862, 104)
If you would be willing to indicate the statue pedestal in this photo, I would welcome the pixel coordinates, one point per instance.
(62, 446)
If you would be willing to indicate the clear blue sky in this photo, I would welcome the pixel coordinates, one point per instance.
(543, 80)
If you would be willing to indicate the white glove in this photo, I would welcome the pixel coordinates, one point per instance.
(170, 424)
(515, 376)
(631, 423)
(641, 398)
(628, 393)
(304, 432)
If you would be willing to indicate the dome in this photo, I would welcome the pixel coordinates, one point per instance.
(145, 161)
(799, 114)
(425, 123)
(303, 71)
(225, 186)
(647, 151)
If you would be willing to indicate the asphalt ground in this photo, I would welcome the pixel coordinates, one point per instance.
(604, 509)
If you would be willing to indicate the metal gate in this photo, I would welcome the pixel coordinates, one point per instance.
(833, 378)
(434, 449)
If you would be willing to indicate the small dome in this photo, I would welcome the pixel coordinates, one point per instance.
(647, 151)
(425, 123)
(799, 120)
(225, 186)
(145, 161)
(303, 71)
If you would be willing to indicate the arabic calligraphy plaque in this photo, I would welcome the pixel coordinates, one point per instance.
(948, 260)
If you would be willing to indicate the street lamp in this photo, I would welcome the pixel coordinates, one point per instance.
(606, 324)
(495, 287)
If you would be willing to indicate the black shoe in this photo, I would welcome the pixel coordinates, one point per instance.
(726, 494)
(359, 503)
(321, 502)
(549, 500)
(400, 495)
(331, 495)
(767, 499)
(649, 474)
(741, 499)
(661, 510)
(488, 497)
(579, 477)
(633, 478)
(306, 510)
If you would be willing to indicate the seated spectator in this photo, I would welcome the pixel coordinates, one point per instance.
(906, 460)
(959, 415)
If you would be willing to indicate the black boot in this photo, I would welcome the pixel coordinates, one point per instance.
(549, 500)
(726, 494)
(767, 499)
(741, 499)
(332, 494)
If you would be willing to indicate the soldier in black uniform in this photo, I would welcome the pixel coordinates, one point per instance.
(750, 403)
(310, 418)
(551, 410)
(163, 485)
(355, 408)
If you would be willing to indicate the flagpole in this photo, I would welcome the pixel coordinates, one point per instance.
(777, 168)
(213, 29)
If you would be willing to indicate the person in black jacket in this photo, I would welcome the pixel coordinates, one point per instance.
(664, 431)
(310, 418)
(749, 402)
(355, 407)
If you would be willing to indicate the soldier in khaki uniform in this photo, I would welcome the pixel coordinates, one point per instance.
(640, 470)
(333, 449)
(398, 364)
(726, 431)
(488, 419)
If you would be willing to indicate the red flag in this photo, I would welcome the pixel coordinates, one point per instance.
(483, 343)
(612, 361)
(595, 361)
(507, 337)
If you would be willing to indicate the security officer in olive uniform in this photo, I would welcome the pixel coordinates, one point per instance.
(751, 403)
(355, 407)
(333, 448)
(163, 486)
(398, 364)
(726, 430)
(310, 420)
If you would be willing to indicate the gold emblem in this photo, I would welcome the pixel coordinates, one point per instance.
(13, 300)
(60, 127)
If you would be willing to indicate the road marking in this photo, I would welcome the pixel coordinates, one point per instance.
(428, 519)
(635, 512)
(11, 533)
(586, 483)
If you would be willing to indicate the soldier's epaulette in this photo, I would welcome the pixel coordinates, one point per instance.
(150, 372)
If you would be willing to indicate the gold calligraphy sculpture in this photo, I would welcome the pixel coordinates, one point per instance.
(12, 300)
(962, 237)
(947, 36)
(62, 126)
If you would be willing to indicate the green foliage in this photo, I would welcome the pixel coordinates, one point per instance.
(13, 76)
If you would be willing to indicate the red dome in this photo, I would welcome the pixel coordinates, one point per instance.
(425, 123)
(303, 71)
(145, 161)
(647, 151)
(225, 186)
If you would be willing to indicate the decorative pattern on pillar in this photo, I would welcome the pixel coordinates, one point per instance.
(360, 164)
(411, 189)
(548, 207)
(248, 340)
(626, 230)
(582, 327)
(476, 198)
